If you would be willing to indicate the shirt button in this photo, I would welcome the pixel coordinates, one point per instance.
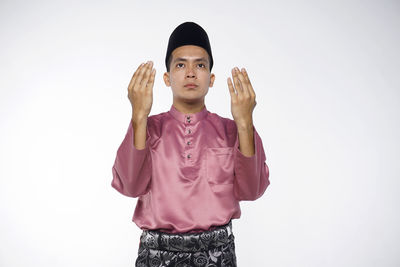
(189, 131)
(188, 142)
(189, 156)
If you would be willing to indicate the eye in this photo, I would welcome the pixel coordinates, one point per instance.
(179, 64)
(202, 65)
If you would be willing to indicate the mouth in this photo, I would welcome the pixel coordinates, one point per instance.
(190, 85)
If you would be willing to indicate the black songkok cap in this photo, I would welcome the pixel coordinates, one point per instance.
(188, 33)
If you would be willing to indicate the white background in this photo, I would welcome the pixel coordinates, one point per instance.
(326, 76)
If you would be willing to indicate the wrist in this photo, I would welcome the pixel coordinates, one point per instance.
(244, 125)
(138, 116)
(139, 119)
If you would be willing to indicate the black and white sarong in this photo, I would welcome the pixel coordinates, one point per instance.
(212, 248)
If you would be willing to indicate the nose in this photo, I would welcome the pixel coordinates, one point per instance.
(190, 72)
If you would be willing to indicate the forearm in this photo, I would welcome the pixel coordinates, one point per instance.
(246, 139)
(132, 167)
(139, 125)
(251, 172)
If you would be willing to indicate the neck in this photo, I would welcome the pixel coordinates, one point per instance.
(188, 108)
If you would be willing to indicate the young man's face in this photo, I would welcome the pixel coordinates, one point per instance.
(189, 65)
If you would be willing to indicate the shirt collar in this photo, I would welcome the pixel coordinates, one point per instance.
(191, 118)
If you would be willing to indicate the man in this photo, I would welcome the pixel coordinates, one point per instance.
(188, 166)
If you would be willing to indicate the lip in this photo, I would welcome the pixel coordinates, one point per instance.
(191, 85)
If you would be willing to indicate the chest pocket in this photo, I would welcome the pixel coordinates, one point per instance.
(220, 165)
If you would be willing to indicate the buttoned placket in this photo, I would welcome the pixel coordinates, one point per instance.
(188, 139)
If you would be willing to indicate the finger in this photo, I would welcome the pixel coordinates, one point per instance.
(134, 76)
(139, 78)
(243, 82)
(150, 83)
(250, 87)
(231, 89)
(236, 82)
(146, 76)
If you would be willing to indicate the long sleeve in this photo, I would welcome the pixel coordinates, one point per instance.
(251, 173)
(191, 175)
(132, 167)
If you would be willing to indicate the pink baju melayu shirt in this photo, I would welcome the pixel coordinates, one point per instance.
(191, 175)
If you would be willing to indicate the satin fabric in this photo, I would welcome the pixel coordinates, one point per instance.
(191, 175)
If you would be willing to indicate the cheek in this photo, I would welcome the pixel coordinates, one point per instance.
(206, 79)
(172, 80)
(175, 78)
(176, 81)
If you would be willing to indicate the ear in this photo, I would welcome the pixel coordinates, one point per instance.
(166, 79)
(212, 78)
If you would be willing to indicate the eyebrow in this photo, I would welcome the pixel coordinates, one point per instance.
(184, 59)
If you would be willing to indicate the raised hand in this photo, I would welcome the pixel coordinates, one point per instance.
(140, 90)
(243, 98)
